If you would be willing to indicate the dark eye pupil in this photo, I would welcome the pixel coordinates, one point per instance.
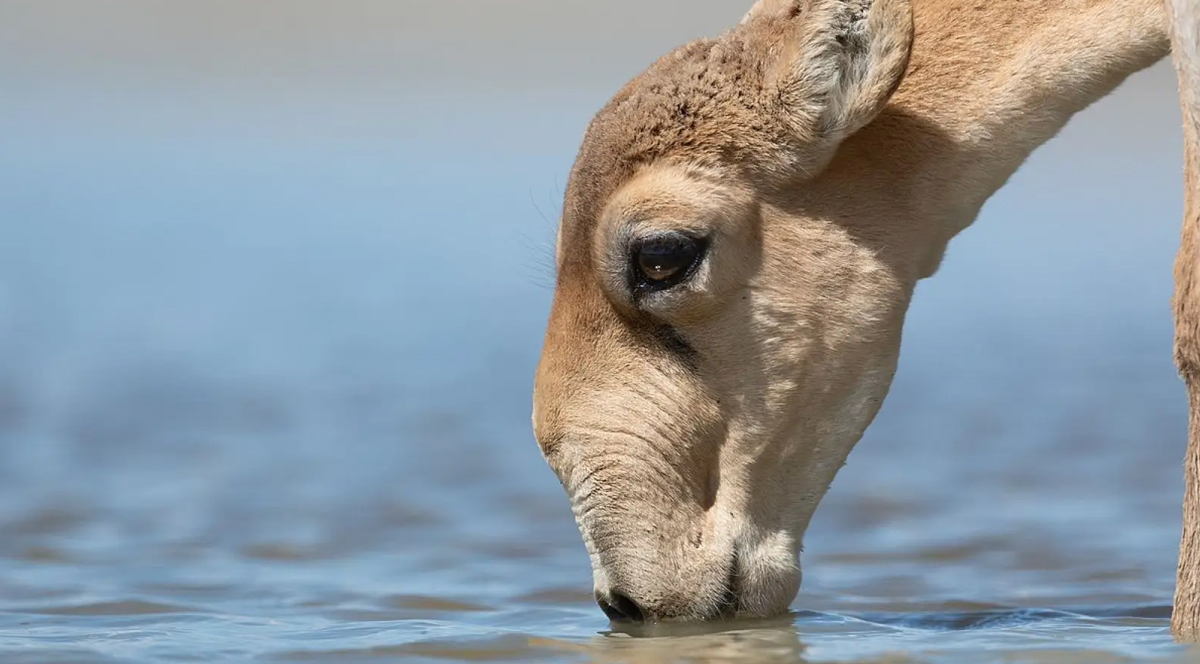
(666, 258)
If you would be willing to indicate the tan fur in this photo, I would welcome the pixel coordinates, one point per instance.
(1185, 48)
(829, 149)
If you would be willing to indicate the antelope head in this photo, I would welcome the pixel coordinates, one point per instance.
(724, 324)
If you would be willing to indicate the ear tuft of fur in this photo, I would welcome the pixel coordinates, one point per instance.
(833, 64)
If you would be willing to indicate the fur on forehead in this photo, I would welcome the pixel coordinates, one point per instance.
(702, 104)
(768, 101)
(699, 107)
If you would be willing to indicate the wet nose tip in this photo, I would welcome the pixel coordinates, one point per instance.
(619, 608)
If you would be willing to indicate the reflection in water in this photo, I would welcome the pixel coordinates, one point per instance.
(776, 640)
(1036, 632)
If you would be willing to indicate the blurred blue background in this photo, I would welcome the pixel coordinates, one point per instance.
(273, 282)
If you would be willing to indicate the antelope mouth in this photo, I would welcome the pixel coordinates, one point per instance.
(621, 608)
(730, 600)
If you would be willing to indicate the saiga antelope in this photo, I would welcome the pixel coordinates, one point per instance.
(741, 234)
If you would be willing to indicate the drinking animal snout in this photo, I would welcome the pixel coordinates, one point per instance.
(619, 607)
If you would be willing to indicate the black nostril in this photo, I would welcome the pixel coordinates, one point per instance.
(628, 607)
(619, 608)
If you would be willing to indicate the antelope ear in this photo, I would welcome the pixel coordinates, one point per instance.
(831, 65)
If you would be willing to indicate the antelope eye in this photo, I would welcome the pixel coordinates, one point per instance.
(662, 261)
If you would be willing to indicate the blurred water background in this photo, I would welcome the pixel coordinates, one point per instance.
(273, 280)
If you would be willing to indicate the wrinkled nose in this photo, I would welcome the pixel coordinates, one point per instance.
(619, 607)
